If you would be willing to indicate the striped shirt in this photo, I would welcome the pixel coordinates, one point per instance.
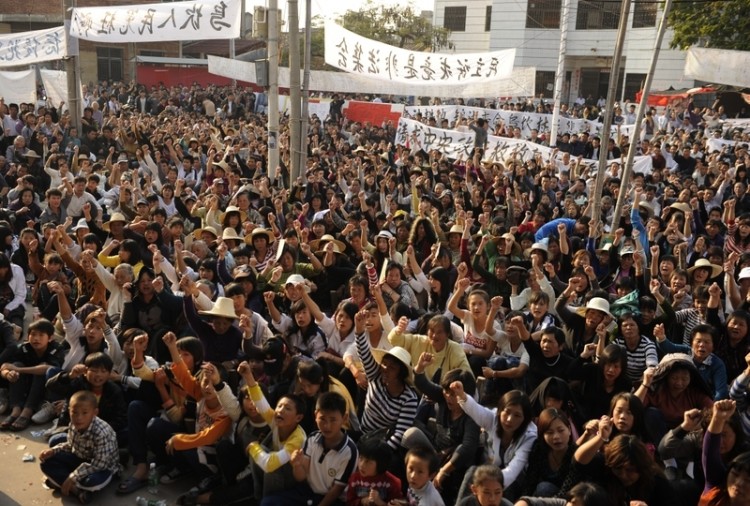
(689, 318)
(383, 411)
(642, 357)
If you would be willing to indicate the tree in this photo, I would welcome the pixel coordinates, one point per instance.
(720, 24)
(398, 26)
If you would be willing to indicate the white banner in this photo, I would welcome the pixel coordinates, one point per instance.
(55, 86)
(520, 84)
(460, 145)
(526, 121)
(32, 47)
(355, 54)
(159, 22)
(18, 87)
(718, 66)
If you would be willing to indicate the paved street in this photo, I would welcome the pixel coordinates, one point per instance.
(21, 482)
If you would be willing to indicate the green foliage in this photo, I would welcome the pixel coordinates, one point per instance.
(398, 26)
(722, 24)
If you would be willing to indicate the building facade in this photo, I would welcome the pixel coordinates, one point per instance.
(533, 28)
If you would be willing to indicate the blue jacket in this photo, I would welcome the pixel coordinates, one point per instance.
(551, 228)
(712, 370)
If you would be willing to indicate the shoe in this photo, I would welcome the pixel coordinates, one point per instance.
(172, 476)
(4, 401)
(45, 414)
(52, 430)
(130, 485)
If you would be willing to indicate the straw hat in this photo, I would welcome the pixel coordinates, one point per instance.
(198, 233)
(115, 218)
(681, 206)
(257, 232)
(645, 206)
(31, 154)
(703, 263)
(318, 244)
(399, 354)
(515, 250)
(223, 164)
(456, 229)
(233, 209)
(223, 307)
(599, 304)
(230, 234)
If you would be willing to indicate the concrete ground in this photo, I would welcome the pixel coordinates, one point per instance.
(21, 482)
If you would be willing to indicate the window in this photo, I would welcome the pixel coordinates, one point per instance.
(109, 63)
(598, 15)
(543, 14)
(487, 18)
(633, 84)
(455, 19)
(545, 83)
(644, 14)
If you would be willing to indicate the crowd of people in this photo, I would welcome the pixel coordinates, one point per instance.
(392, 327)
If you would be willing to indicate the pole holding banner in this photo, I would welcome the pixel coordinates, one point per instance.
(614, 77)
(294, 91)
(306, 87)
(560, 75)
(73, 72)
(628, 169)
(273, 88)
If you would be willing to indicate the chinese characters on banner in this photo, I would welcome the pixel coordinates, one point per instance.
(32, 47)
(158, 22)
(526, 121)
(460, 145)
(360, 56)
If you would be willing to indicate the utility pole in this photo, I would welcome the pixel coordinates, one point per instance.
(628, 169)
(560, 75)
(273, 88)
(294, 90)
(614, 77)
(306, 87)
(72, 69)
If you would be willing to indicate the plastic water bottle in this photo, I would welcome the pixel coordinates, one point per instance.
(141, 501)
(153, 479)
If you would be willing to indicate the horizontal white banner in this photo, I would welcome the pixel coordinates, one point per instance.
(718, 66)
(520, 84)
(355, 54)
(460, 145)
(158, 22)
(27, 48)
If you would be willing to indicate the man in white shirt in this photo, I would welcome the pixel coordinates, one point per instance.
(75, 198)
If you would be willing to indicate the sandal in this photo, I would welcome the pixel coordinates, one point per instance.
(84, 496)
(130, 485)
(172, 476)
(7, 424)
(21, 423)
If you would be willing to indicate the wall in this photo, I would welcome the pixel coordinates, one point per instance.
(474, 39)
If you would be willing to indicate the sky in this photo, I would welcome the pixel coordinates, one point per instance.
(335, 8)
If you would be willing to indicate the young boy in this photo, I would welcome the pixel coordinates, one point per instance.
(372, 484)
(25, 370)
(86, 462)
(487, 488)
(421, 466)
(272, 470)
(326, 461)
(93, 375)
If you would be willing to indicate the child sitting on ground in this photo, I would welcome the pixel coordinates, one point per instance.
(89, 458)
(25, 370)
(422, 465)
(487, 488)
(93, 375)
(326, 461)
(272, 471)
(371, 484)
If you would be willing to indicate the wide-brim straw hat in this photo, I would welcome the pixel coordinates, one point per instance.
(198, 233)
(230, 234)
(399, 354)
(223, 307)
(682, 206)
(233, 209)
(703, 263)
(258, 232)
(318, 244)
(115, 218)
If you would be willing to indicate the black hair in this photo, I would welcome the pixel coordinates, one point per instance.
(42, 325)
(194, 346)
(299, 403)
(556, 332)
(131, 247)
(332, 402)
(461, 375)
(376, 450)
(520, 399)
(99, 359)
(427, 454)
(314, 373)
(589, 494)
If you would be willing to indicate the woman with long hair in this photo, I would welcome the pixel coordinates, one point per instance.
(12, 291)
(599, 382)
(422, 237)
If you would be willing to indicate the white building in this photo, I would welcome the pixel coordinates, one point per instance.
(533, 28)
